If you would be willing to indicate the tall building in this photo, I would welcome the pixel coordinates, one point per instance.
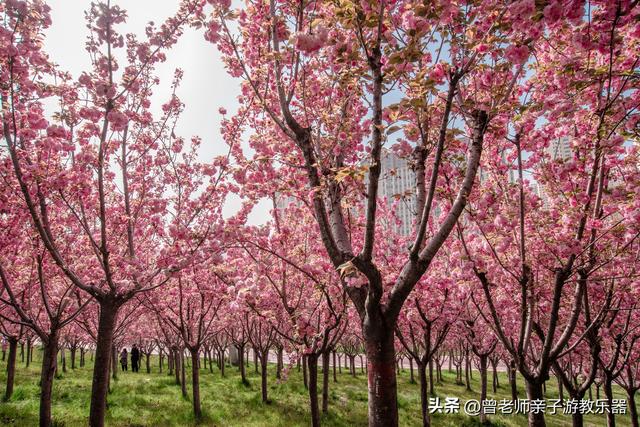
(398, 183)
(560, 149)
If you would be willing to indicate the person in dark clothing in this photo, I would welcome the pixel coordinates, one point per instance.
(135, 358)
(124, 359)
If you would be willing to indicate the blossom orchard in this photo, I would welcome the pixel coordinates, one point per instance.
(519, 121)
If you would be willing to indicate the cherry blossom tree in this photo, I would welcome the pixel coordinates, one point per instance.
(316, 79)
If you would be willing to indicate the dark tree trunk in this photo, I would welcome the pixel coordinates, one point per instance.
(73, 357)
(483, 387)
(467, 371)
(352, 365)
(63, 356)
(633, 410)
(312, 362)
(47, 375)
(512, 381)
(335, 374)
(279, 364)
(577, 419)
(176, 365)
(28, 352)
(608, 394)
(148, 357)
(431, 387)
(325, 382)
(11, 367)
(255, 360)
(534, 392)
(114, 362)
(183, 376)
(243, 372)
(412, 379)
(195, 383)
(494, 377)
(222, 363)
(424, 399)
(264, 359)
(380, 350)
(339, 363)
(100, 384)
(305, 376)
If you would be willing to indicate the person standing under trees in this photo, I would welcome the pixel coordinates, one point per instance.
(135, 358)
(123, 359)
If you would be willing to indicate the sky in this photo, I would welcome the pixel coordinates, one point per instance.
(205, 87)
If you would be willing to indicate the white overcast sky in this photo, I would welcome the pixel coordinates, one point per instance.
(206, 86)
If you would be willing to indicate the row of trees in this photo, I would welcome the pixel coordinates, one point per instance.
(107, 215)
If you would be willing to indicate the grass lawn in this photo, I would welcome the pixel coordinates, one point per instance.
(155, 400)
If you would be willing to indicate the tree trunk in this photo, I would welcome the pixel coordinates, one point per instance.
(73, 357)
(305, 376)
(577, 419)
(494, 377)
(339, 363)
(312, 362)
(633, 410)
(483, 387)
(47, 375)
(335, 375)
(148, 357)
(195, 383)
(431, 387)
(264, 359)
(222, 363)
(243, 373)
(412, 379)
(11, 367)
(63, 356)
(183, 376)
(114, 362)
(255, 360)
(28, 352)
(176, 365)
(280, 363)
(512, 381)
(467, 371)
(608, 394)
(380, 351)
(534, 392)
(100, 384)
(424, 399)
(325, 382)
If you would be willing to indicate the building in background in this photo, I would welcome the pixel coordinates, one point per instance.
(398, 184)
(560, 149)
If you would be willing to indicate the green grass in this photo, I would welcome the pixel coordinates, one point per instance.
(155, 400)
